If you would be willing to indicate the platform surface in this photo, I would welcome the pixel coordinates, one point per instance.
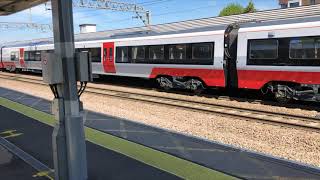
(13, 168)
(213, 155)
(35, 139)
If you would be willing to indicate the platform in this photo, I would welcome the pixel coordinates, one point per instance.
(35, 139)
(13, 168)
(203, 158)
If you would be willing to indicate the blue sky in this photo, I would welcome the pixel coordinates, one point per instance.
(162, 11)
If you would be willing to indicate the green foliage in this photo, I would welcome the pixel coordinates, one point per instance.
(234, 9)
(250, 8)
(231, 9)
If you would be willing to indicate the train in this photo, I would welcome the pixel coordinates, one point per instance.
(279, 57)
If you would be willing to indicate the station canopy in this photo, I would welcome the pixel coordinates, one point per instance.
(8, 7)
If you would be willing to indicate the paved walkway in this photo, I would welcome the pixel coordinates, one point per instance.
(13, 168)
(227, 159)
(34, 138)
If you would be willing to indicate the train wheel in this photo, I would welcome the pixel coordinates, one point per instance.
(12, 69)
(165, 83)
(281, 97)
(196, 86)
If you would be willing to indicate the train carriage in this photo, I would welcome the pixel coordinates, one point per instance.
(181, 58)
(281, 57)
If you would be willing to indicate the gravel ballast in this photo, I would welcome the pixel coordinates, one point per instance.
(293, 144)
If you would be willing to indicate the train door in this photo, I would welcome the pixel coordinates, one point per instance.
(108, 58)
(21, 58)
(230, 56)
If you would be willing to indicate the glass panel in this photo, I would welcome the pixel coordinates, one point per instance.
(26, 56)
(111, 53)
(177, 51)
(202, 51)
(264, 49)
(122, 54)
(14, 56)
(138, 52)
(302, 48)
(105, 53)
(295, 4)
(318, 49)
(31, 55)
(38, 56)
(156, 52)
(95, 54)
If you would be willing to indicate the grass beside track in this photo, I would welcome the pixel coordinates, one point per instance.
(171, 164)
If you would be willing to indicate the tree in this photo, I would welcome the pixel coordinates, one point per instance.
(234, 9)
(231, 9)
(250, 8)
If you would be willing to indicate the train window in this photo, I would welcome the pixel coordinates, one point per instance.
(32, 55)
(318, 49)
(111, 54)
(264, 49)
(303, 48)
(294, 4)
(177, 51)
(104, 53)
(202, 51)
(122, 55)
(156, 52)
(26, 56)
(37, 56)
(14, 56)
(138, 52)
(95, 54)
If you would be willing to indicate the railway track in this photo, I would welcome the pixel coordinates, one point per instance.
(282, 119)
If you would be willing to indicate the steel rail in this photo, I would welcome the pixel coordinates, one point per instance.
(310, 123)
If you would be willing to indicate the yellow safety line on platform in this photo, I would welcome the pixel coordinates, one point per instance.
(166, 162)
(10, 134)
(44, 174)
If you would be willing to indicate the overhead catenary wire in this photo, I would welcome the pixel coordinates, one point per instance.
(160, 14)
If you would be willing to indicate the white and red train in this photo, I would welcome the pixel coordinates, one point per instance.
(282, 58)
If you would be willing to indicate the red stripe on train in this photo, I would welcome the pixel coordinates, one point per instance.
(253, 79)
(7, 65)
(211, 77)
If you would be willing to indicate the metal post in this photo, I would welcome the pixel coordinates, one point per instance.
(68, 137)
(148, 18)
